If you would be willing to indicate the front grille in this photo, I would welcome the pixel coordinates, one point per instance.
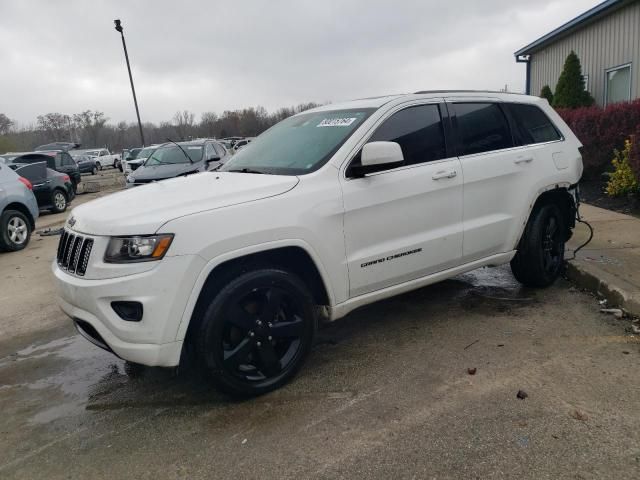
(73, 253)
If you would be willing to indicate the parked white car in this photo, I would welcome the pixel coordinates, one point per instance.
(102, 156)
(329, 210)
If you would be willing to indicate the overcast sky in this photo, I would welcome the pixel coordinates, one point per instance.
(64, 56)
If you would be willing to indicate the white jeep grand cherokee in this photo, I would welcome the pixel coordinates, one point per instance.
(336, 207)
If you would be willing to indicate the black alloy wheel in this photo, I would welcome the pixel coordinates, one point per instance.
(552, 245)
(257, 332)
(539, 259)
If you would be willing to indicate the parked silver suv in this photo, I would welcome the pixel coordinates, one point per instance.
(18, 210)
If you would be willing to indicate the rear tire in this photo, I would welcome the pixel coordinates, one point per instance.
(59, 201)
(15, 231)
(256, 332)
(94, 171)
(540, 256)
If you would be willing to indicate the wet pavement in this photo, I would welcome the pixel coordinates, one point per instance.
(386, 393)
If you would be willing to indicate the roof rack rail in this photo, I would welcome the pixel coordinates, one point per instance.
(465, 91)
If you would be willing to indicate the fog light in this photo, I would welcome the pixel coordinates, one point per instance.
(129, 311)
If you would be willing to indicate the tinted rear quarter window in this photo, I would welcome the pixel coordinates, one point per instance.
(533, 124)
(482, 127)
(419, 132)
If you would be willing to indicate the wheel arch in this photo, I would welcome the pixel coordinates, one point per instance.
(61, 189)
(557, 194)
(296, 257)
(22, 209)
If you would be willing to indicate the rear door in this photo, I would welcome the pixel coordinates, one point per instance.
(405, 223)
(497, 180)
(36, 173)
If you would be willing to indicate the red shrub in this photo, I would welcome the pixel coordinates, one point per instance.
(601, 130)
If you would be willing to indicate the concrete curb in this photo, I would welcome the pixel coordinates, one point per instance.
(614, 289)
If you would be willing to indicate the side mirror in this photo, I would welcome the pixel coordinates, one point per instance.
(377, 156)
(214, 158)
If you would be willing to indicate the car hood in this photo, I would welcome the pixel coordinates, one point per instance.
(159, 172)
(143, 210)
(137, 160)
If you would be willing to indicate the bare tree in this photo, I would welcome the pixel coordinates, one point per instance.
(5, 124)
(183, 123)
(92, 128)
(208, 123)
(91, 124)
(55, 126)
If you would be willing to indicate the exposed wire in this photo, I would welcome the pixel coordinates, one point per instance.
(579, 219)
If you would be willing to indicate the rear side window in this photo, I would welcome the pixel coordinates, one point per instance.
(482, 127)
(67, 160)
(533, 124)
(419, 132)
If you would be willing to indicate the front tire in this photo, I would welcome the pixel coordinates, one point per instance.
(257, 332)
(15, 231)
(540, 256)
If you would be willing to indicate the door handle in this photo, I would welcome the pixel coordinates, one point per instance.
(444, 174)
(520, 161)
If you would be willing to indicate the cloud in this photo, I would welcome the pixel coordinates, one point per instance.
(210, 56)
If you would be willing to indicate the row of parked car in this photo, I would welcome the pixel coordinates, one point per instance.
(173, 159)
(44, 179)
(48, 177)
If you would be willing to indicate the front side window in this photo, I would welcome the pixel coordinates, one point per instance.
(210, 151)
(300, 144)
(618, 85)
(419, 132)
(482, 127)
(219, 149)
(534, 126)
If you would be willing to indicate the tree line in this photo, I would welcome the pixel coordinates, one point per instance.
(92, 128)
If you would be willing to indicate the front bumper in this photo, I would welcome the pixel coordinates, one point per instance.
(163, 291)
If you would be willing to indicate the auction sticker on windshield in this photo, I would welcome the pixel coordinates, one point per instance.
(336, 122)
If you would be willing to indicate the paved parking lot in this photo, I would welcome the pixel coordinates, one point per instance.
(386, 393)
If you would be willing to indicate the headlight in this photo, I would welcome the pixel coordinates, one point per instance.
(137, 249)
(130, 179)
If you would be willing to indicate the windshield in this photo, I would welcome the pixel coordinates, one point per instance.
(171, 154)
(299, 144)
(145, 153)
(133, 153)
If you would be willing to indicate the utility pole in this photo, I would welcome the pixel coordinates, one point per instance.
(133, 89)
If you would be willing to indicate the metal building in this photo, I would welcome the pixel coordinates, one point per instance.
(607, 41)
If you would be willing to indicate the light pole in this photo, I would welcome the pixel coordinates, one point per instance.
(133, 89)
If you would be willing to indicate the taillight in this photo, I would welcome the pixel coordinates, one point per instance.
(66, 178)
(26, 183)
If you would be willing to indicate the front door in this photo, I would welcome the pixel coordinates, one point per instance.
(405, 223)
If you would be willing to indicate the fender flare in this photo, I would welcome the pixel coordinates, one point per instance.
(243, 252)
(532, 201)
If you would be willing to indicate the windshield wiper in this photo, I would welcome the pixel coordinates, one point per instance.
(247, 170)
(185, 153)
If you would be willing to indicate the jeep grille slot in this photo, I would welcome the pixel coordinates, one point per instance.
(74, 252)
